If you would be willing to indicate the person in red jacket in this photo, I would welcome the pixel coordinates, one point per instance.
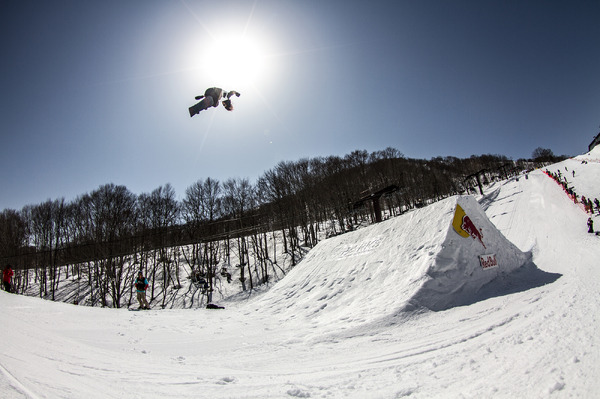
(7, 277)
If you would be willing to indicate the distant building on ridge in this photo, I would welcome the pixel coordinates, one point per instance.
(594, 142)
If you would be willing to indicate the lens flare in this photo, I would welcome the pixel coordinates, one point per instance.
(235, 62)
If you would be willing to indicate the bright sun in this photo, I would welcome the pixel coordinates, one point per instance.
(234, 62)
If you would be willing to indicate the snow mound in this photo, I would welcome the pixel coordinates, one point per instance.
(414, 261)
(466, 264)
(593, 155)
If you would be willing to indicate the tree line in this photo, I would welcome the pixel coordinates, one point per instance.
(104, 237)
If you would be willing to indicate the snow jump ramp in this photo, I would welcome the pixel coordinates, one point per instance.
(444, 255)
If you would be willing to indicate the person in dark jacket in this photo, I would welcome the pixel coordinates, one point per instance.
(6, 278)
(141, 284)
(211, 98)
(590, 224)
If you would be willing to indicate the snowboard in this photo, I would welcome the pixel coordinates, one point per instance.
(205, 103)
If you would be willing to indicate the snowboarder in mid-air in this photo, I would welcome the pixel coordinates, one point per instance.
(211, 98)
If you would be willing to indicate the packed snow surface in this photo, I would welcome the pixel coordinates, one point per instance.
(403, 308)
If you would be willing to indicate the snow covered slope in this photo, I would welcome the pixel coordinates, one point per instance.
(526, 333)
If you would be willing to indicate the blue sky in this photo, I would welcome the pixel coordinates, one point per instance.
(97, 92)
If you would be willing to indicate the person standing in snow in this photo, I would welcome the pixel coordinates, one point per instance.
(6, 278)
(590, 224)
(211, 98)
(141, 284)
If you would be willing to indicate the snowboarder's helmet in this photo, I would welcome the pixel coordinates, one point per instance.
(228, 105)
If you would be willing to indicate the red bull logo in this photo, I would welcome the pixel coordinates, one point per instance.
(469, 227)
(488, 261)
(465, 226)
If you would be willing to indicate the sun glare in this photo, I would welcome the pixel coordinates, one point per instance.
(234, 62)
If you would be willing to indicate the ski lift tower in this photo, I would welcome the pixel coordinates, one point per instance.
(374, 198)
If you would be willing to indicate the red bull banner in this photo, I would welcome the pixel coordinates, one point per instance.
(464, 226)
(488, 261)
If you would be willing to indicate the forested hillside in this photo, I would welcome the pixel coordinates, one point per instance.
(222, 229)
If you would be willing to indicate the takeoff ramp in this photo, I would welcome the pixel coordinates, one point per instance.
(435, 258)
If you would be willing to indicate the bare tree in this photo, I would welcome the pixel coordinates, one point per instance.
(113, 215)
(13, 241)
(200, 208)
(239, 197)
(159, 213)
(542, 155)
